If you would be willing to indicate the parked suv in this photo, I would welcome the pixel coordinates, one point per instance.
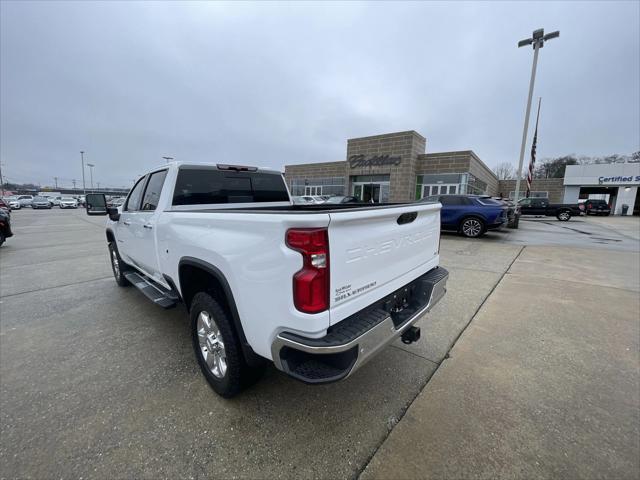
(25, 200)
(597, 207)
(470, 215)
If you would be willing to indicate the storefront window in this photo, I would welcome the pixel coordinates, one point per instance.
(317, 186)
(440, 184)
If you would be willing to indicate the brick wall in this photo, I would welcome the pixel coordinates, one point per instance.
(458, 162)
(407, 145)
(554, 186)
(315, 170)
(478, 169)
(443, 162)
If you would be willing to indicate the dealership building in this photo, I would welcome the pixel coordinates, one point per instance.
(395, 167)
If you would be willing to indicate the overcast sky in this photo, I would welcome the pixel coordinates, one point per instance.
(273, 84)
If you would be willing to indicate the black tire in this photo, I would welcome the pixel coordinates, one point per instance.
(2, 238)
(564, 215)
(237, 374)
(118, 267)
(472, 227)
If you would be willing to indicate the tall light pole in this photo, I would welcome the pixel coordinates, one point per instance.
(91, 165)
(537, 40)
(84, 187)
(168, 159)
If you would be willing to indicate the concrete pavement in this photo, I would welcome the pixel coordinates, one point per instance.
(95, 381)
(544, 383)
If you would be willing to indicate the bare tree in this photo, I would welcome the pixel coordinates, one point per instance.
(505, 171)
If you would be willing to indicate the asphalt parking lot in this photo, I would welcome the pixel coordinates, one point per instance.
(95, 381)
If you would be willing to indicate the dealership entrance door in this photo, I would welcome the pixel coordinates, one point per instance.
(371, 188)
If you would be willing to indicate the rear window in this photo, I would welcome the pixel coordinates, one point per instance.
(198, 186)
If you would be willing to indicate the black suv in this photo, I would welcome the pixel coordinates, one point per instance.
(597, 207)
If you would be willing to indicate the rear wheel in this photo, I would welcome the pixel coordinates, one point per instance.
(564, 216)
(2, 238)
(118, 266)
(472, 227)
(217, 347)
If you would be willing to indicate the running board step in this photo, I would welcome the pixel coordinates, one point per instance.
(156, 294)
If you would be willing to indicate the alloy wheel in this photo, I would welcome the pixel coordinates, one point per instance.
(471, 227)
(211, 345)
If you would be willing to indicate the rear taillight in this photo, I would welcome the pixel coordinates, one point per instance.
(589, 206)
(311, 282)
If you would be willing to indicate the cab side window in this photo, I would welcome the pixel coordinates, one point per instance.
(153, 190)
(133, 202)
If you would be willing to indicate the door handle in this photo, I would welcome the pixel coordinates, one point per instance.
(126, 223)
(148, 226)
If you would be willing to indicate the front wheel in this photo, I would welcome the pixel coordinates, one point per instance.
(118, 266)
(218, 348)
(472, 227)
(564, 216)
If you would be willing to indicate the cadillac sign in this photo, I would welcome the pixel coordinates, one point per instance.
(356, 161)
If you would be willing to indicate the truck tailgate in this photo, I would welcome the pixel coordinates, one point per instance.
(374, 252)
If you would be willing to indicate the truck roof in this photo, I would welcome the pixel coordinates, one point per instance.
(179, 163)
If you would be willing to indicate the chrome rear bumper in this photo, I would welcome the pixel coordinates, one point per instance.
(349, 344)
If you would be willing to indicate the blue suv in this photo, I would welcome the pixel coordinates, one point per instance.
(470, 215)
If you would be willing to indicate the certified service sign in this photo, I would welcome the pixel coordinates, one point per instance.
(619, 179)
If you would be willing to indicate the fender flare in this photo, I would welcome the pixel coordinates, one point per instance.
(251, 357)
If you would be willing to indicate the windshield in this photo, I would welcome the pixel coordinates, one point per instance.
(40, 199)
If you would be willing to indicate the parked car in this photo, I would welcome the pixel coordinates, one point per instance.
(304, 200)
(513, 211)
(342, 199)
(81, 200)
(41, 202)
(541, 206)
(13, 202)
(316, 292)
(115, 202)
(68, 202)
(470, 215)
(5, 226)
(4, 206)
(597, 207)
(25, 200)
(54, 200)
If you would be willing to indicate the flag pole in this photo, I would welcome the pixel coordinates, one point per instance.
(532, 163)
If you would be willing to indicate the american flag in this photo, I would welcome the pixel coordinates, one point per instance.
(532, 163)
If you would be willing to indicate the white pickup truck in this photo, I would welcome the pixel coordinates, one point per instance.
(317, 289)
